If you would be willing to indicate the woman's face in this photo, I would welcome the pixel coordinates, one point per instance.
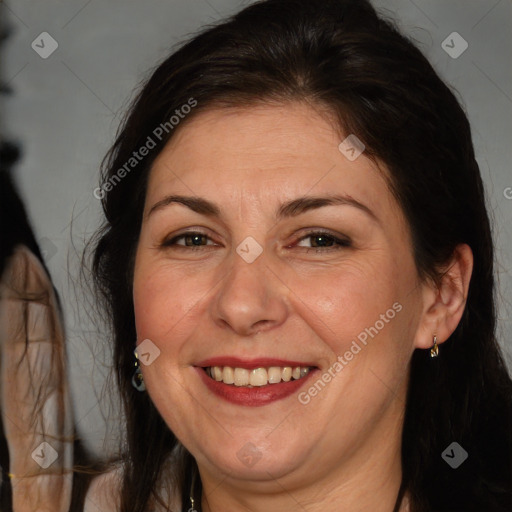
(281, 251)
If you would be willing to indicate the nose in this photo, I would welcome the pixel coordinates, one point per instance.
(250, 298)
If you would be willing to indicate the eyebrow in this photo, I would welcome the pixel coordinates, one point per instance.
(289, 209)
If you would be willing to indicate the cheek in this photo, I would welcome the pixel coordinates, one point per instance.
(344, 302)
(164, 301)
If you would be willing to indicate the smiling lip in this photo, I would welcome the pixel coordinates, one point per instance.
(252, 396)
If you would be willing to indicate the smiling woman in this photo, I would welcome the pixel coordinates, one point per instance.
(315, 227)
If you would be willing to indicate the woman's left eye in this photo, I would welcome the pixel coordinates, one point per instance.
(320, 240)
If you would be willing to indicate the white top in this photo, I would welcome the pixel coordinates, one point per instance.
(103, 494)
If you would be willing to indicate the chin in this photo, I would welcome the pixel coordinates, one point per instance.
(253, 460)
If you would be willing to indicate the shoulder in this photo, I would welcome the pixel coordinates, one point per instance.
(104, 492)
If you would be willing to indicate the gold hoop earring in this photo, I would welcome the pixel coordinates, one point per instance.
(434, 351)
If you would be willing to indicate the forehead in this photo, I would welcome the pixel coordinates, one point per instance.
(264, 151)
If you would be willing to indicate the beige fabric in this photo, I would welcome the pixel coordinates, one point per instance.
(34, 394)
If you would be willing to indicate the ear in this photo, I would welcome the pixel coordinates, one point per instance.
(444, 303)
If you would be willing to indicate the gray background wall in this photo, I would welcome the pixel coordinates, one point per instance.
(67, 106)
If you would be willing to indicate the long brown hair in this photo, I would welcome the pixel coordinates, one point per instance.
(343, 57)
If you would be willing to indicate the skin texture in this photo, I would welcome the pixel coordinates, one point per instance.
(295, 301)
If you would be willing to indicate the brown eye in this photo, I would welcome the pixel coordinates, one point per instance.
(317, 240)
(195, 239)
(322, 241)
(192, 239)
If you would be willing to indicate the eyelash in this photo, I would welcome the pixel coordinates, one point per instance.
(339, 242)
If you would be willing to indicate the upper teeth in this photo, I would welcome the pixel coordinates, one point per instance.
(257, 376)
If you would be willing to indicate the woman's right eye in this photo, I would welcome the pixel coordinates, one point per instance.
(193, 240)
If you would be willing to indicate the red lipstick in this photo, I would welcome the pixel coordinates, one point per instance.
(252, 396)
